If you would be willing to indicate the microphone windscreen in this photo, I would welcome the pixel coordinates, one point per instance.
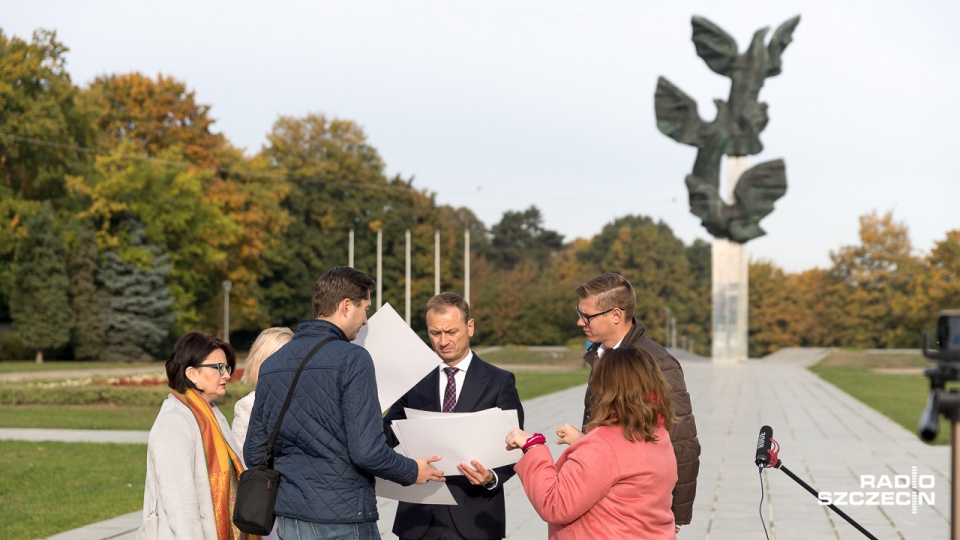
(763, 446)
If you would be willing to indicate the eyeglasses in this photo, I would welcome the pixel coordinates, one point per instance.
(224, 369)
(586, 318)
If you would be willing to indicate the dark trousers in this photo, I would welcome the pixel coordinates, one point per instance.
(442, 528)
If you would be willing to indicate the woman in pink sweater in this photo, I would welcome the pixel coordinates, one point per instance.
(616, 481)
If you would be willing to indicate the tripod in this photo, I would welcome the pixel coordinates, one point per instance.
(946, 403)
(768, 456)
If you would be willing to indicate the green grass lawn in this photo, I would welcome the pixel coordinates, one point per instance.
(50, 487)
(892, 384)
(568, 357)
(531, 383)
(125, 417)
(13, 366)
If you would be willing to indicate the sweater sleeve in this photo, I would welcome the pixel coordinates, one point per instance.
(562, 495)
(241, 417)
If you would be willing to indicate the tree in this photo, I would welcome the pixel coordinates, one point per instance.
(176, 216)
(41, 117)
(655, 262)
(85, 299)
(137, 312)
(868, 286)
(252, 199)
(43, 124)
(700, 258)
(520, 237)
(937, 286)
(154, 115)
(141, 118)
(337, 184)
(39, 303)
(777, 309)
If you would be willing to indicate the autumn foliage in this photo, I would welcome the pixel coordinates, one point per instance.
(129, 172)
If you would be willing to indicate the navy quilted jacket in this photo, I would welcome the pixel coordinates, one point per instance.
(331, 443)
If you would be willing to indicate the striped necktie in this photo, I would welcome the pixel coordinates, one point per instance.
(450, 395)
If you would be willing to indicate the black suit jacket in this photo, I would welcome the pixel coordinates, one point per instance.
(479, 512)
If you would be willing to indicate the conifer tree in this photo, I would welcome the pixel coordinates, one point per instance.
(137, 311)
(85, 299)
(39, 303)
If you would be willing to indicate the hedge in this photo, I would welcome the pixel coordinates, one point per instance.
(72, 393)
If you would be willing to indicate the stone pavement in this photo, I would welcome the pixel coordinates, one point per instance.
(827, 439)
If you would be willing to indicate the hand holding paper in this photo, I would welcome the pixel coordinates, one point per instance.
(427, 472)
(478, 475)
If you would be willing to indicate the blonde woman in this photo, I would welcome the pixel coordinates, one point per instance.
(268, 342)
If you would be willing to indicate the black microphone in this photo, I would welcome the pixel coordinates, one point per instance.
(763, 446)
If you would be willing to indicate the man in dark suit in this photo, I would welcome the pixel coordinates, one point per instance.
(462, 383)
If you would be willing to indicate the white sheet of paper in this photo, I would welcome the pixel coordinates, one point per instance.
(417, 413)
(429, 493)
(401, 448)
(461, 438)
(400, 357)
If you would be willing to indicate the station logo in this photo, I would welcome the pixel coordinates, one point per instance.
(911, 490)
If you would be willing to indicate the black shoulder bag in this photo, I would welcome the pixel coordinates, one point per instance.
(257, 488)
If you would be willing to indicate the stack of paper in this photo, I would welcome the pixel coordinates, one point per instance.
(458, 437)
(401, 359)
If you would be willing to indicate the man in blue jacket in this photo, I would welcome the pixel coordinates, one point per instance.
(331, 442)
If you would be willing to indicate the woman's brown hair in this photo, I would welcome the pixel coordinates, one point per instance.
(630, 391)
(190, 351)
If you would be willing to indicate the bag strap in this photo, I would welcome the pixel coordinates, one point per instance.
(268, 457)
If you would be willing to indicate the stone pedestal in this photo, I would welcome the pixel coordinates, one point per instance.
(730, 285)
(729, 301)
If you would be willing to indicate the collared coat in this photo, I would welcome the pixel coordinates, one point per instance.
(627, 497)
(176, 498)
(480, 512)
(683, 434)
(331, 444)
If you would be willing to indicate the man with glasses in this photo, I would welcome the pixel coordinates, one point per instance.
(331, 443)
(605, 313)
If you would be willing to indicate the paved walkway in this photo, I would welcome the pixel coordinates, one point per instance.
(828, 439)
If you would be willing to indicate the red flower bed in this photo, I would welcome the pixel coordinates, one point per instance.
(135, 381)
(151, 380)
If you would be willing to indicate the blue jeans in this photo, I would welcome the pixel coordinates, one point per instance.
(295, 529)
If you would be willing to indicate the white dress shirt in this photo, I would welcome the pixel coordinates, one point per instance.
(459, 377)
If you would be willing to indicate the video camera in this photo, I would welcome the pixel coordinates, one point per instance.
(948, 337)
(947, 369)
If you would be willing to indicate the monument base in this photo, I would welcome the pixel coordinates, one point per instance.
(730, 295)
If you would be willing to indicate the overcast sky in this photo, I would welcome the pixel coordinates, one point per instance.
(499, 105)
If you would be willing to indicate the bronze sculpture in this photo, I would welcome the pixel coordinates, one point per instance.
(735, 131)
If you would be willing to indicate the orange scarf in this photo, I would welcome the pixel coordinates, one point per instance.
(223, 465)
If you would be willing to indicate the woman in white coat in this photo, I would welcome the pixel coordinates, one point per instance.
(193, 460)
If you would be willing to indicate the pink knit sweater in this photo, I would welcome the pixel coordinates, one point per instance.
(603, 486)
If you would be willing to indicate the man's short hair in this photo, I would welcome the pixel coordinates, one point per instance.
(337, 284)
(612, 291)
(446, 300)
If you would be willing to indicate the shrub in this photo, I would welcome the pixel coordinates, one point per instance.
(97, 391)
